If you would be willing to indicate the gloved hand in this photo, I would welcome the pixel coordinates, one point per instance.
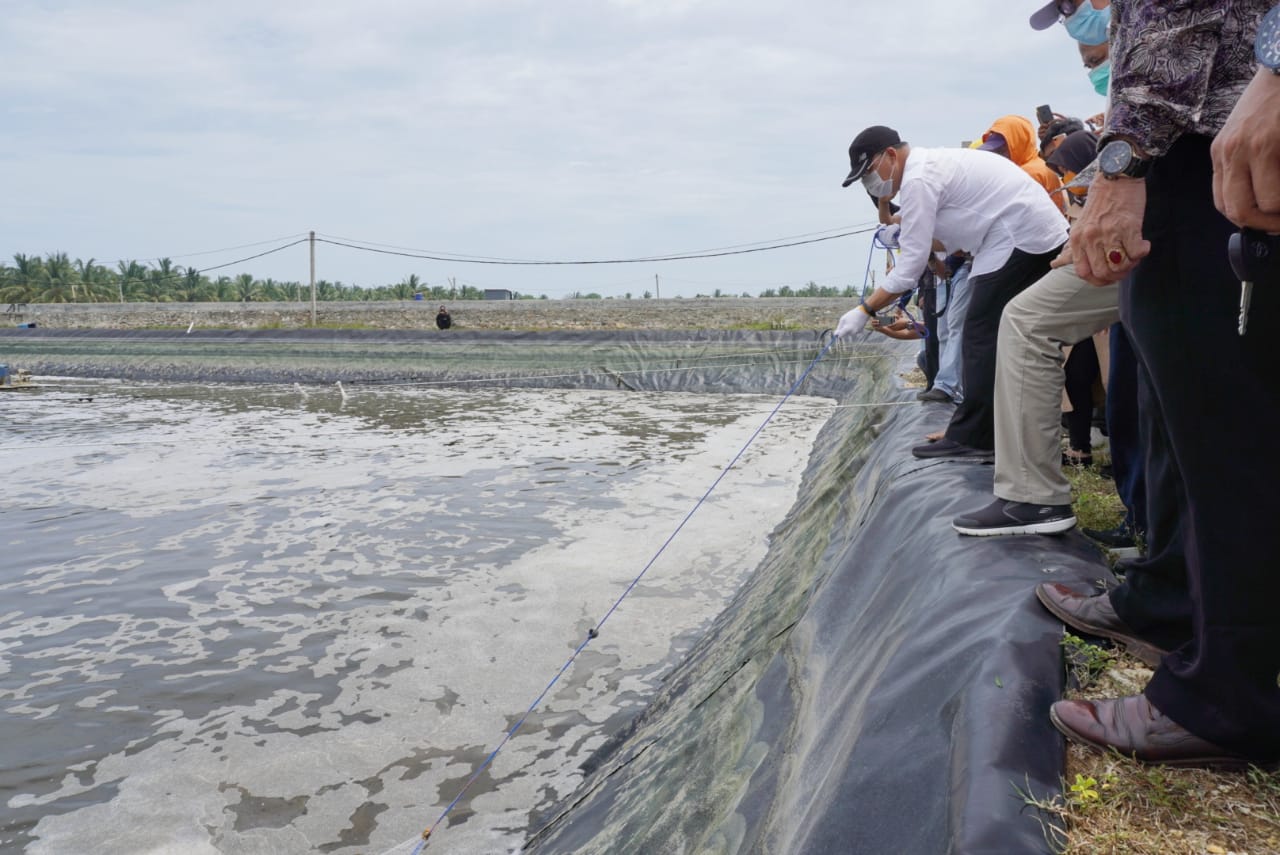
(888, 235)
(853, 321)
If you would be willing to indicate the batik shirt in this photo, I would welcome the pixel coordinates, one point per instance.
(1178, 66)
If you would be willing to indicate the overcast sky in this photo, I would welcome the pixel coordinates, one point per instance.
(556, 129)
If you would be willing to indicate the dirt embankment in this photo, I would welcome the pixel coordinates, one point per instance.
(720, 313)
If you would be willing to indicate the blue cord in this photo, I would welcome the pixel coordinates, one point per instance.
(595, 632)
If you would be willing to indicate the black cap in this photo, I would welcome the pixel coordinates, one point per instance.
(1066, 125)
(866, 146)
(1048, 14)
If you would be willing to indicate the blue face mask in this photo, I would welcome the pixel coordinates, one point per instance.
(1089, 25)
(1100, 77)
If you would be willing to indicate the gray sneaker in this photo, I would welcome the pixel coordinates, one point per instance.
(1001, 517)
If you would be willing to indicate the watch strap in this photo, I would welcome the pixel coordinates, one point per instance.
(1266, 45)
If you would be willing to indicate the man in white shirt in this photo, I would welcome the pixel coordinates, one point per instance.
(964, 200)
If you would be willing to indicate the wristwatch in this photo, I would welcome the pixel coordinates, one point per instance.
(1119, 158)
(1266, 47)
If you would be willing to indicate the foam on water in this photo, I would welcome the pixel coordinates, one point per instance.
(280, 620)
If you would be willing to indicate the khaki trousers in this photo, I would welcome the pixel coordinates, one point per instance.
(1054, 313)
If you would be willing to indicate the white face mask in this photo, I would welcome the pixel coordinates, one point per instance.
(877, 186)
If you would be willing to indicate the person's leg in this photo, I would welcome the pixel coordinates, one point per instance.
(952, 322)
(1183, 310)
(1059, 309)
(928, 296)
(973, 424)
(1079, 374)
(1123, 431)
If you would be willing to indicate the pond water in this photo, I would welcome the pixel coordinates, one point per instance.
(295, 619)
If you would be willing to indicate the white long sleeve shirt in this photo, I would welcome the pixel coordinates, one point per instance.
(974, 201)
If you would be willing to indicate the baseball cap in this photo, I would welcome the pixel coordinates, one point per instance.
(993, 142)
(865, 147)
(1048, 14)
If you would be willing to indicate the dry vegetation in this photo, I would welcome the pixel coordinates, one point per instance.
(1111, 804)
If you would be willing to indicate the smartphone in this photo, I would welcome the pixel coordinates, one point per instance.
(1044, 114)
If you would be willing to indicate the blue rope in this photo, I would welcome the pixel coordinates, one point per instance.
(918, 326)
(595, 631)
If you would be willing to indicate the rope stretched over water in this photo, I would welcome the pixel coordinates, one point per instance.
(594, 632)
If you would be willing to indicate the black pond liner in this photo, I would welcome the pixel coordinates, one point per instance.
(880, 684)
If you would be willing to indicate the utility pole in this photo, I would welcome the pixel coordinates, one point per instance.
(313, 278)
(657, 291)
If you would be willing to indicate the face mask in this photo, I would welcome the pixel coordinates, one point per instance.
(1089, 25)
(1100, 77)
(877, 186)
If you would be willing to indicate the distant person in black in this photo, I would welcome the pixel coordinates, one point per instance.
(443, 319)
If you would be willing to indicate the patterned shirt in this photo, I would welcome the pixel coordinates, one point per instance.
(1178, 66)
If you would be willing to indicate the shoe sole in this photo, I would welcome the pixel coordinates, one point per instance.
(1208, 761)
(1047, 527)
(1145, 651)
(958, 458)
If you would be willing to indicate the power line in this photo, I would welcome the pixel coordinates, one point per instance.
(441, 255)
(209, 251)
(646, 259)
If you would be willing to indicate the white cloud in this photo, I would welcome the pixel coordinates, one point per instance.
(506, 128)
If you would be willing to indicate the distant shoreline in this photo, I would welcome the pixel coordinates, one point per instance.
(720, 313)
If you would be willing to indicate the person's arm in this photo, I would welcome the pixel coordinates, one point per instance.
(1164, 58)
(915, 242)
(908, 334)
(1246, 168)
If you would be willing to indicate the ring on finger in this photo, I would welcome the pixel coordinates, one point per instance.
(1116, 257)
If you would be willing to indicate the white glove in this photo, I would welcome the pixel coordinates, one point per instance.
(888, 235)
(853, 321)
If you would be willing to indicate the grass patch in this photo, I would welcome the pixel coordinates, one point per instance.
(1093, 497)
(1111, 804)
(768, 325)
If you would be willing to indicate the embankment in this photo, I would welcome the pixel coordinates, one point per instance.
(721, 313)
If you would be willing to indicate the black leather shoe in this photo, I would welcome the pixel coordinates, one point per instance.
(1094, 615)
(1119, 537)
(1001, 517)
(934, 395)
(945, 449)
(1135, 728)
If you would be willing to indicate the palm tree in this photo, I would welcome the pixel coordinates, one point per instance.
(161, 280)
(224, 290)
(155, 289)
(59, 279)
(129, 279)
(246, 287)
(25, 278)
(194, 288)
(95, 281)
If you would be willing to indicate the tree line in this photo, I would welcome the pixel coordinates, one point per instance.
(55, 278)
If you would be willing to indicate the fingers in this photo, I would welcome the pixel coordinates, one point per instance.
(1064, 257)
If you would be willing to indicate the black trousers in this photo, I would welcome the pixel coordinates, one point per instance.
(929, 310)
(1213, 403)
(1123, 433)
(1080, 372)
(973, 423)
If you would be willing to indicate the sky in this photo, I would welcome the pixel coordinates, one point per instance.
(548, 130)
